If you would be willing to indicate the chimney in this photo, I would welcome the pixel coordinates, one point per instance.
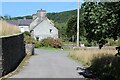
(24, 18)
(41, 14)
(34, 16)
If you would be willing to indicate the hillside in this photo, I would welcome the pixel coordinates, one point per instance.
(60, 20)
(61, 17)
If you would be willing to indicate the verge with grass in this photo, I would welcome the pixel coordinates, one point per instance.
(8, 29)
(104, 64)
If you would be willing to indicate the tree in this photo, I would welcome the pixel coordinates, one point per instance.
(71, 30)
(7, 17)
(101, 20)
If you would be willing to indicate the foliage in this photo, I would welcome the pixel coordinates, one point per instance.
(62, 30)
(29, 39)
(111, 42)
(8, 29)
(26, 33)
(61, 20)
(61, 17)
(98, 21)
(51, 42)
(38, 44)
(83, 40)
(72, 28)
(106, 67)
(21, 17)
(47, 42)
(101, 20)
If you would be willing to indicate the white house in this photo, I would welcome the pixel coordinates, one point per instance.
(41, 27)
(22, 23)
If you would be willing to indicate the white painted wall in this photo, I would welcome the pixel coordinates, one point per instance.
(24, 28)
(43, 30)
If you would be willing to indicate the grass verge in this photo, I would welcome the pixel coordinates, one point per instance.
(8, 29)
(104, 64)
(85, 56)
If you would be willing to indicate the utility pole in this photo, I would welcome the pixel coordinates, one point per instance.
(78, 23)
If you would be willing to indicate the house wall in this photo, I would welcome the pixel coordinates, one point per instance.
(24, 28)
(43, 30)
(13, 51)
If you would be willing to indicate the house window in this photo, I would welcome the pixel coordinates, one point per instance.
(37, 38)
(50, 30)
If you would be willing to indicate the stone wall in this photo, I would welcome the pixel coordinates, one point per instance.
(0, 57)
(29, 48)
(13, 52)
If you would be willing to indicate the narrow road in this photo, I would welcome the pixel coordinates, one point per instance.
(49, 64)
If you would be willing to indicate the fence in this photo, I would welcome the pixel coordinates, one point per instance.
(13, 51)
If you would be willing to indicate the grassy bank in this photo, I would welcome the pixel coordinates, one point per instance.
(8, 29)
(85, 55)
(102, 62)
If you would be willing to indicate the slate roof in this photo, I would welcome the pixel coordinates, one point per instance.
(21, 22)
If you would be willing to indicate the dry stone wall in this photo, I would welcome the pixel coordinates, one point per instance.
(12, 53)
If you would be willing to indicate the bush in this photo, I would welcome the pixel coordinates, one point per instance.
(29, 39)
(37, 44)
(51, 42)
(26, 33)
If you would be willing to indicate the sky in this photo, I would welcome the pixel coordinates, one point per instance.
(15, 9)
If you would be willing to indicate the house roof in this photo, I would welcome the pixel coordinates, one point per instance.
(41, 22)
(33, 14)
(21, 22)
(41, 10)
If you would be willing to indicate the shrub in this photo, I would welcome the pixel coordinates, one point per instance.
(26, 33)
(51, 42)
(29, 39)
(37, 44)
